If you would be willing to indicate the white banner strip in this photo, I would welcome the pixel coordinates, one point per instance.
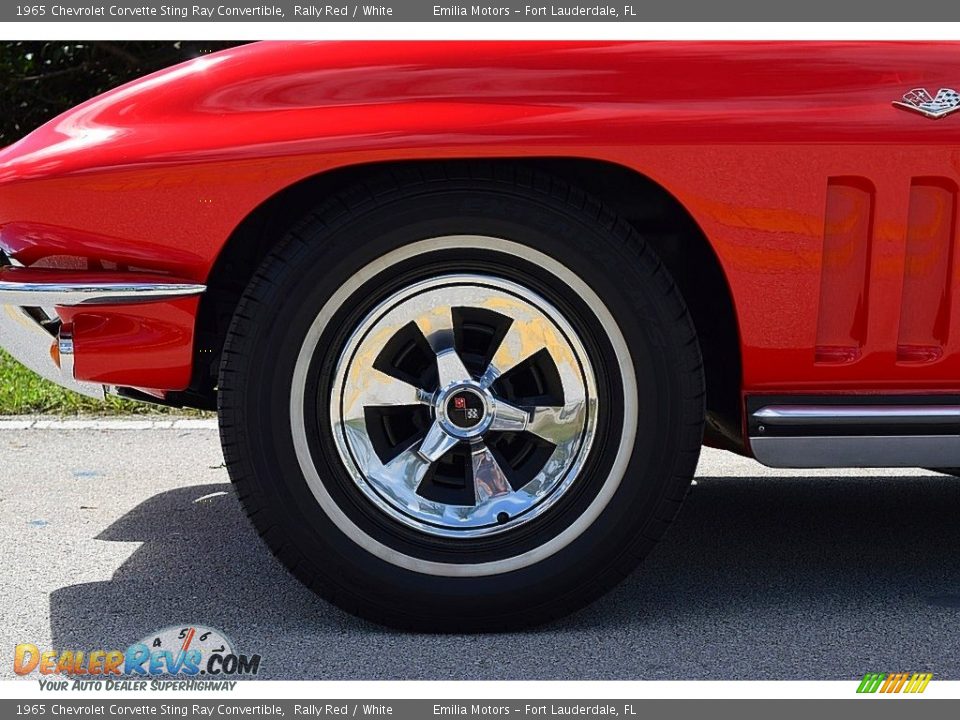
(490, 31)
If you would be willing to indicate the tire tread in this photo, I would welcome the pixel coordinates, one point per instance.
(359, 198)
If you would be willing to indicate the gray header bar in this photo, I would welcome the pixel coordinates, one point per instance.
(616, 11)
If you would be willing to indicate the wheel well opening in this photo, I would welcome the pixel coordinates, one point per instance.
(653, 211)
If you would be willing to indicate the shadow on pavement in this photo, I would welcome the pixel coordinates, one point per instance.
(784, 578)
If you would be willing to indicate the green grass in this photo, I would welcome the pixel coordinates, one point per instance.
(22, 392)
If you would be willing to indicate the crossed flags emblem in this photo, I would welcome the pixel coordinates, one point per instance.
(919, 100)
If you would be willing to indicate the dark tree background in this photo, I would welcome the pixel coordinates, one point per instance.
(39, 80)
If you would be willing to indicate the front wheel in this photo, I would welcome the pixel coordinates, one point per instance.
(462, 405)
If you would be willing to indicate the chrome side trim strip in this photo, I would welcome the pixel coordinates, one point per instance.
(66, 294)
(813, 415)
(858, 451)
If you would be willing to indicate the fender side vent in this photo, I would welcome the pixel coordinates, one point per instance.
(927, 272)
(845, 270)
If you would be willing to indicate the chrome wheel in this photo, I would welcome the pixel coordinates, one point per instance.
(464, 406)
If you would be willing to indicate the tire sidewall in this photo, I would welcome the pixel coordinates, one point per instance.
(343, 249)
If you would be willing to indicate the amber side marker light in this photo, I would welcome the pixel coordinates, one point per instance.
(55, 352)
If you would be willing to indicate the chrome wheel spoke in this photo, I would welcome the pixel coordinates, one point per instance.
(509, 418)
(405, 472)
(380, 389)
(488, 478)
(523, 339)
(554, 424)
(437, 327)
(450, 368)
(437, 443)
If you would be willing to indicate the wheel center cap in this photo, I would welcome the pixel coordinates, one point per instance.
(463, 410)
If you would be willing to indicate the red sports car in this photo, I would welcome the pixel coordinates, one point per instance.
(467, 310)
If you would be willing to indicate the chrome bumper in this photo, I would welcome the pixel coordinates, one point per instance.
(46, 294)
(30, 342)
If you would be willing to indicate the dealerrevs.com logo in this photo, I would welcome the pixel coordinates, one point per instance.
(186, 652)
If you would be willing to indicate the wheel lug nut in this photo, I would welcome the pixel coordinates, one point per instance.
(502, 518)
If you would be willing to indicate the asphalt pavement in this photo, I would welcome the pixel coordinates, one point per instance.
(111, 534)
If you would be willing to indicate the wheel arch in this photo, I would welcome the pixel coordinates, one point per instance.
(656, 214)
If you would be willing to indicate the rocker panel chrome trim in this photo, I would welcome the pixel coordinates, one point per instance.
(858, 451)
(813, 415)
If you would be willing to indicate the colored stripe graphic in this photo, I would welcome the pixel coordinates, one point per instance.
(923, 679)
(188, 639)
(891, 683)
